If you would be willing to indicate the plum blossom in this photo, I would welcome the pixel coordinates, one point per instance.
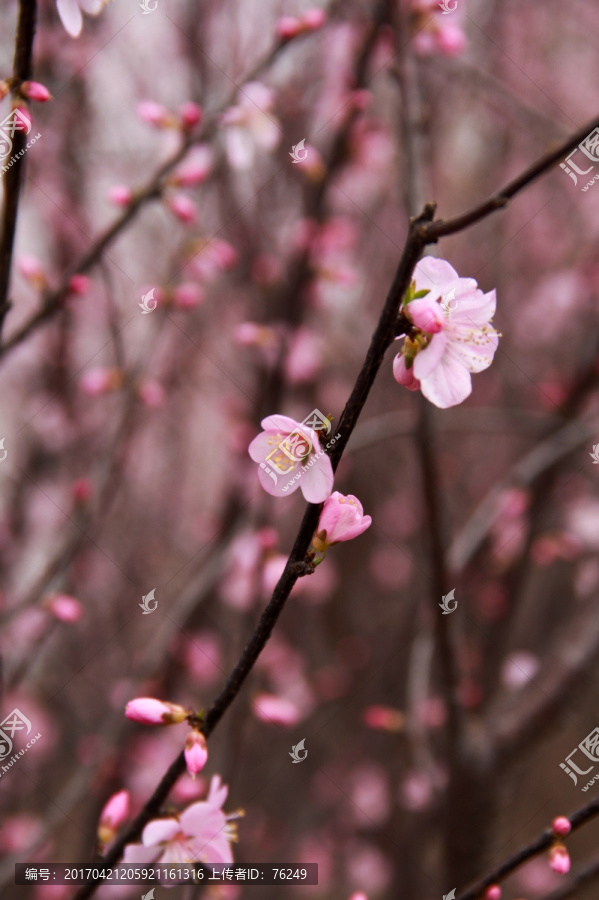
(150, 711)
(196, 752)
(70, 13)
(448, 341)
(561, 826)
(201, 833)
(559, 859)
(251, 124)
(342, 519)
(281, 469)
(115, 812)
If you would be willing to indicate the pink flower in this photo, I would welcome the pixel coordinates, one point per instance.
(342, 519)
(561, 826)
(112, 816)
(64, 608)
(453, 339)
(188, 295)
(195, 169)
(70, 13)
(196, 752)
(191, 115)
(31, 268)
(201, 833)
(154, 114)
(288, 27)
(358, 896)
(183, 208)
(251, 125)
(33, 90)
(79, 284)
(120, 195)
(384, 718)
(151, 393)
(493, 892)
(314, 19)
(559, 859)
(149, 711)
(99, 380)
(289, 456)
(278, 710)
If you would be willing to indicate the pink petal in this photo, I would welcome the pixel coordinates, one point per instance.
(433, 274)
(473, 309)
(448, 384)
(476, 357)
(201, 820)
(217, 793)
(240, 147)
(137, 853)
(159, 830)
(260, 447)
(275, 489)
(278, 423)
(70, 15)
(317, 482)
(428, 359)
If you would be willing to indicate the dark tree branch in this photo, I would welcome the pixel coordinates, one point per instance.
(13, 177)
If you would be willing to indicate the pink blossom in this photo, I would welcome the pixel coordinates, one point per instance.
(70, 13)
(493, 892)
(561, 826)
(100, 380)
(33, 90)
(384, 718)
(64, 608)
(79, 284)
(342, 519)
(150, 711)
(82, 490)
(304, 357)
(278, 710)
(452, 341)
(120, 195)
(188, 295)
(113, 815)
(213, 257)
(31, 268)
(4, 89)
(191, 115)
(250, 125)
(288, 27)
(154, 114)
(301, 462)
(358, 896)
(151, 393)
(201, 833)
(559, 859)
(314, 18)
(196, 752)
(195, 169)
(183, 208)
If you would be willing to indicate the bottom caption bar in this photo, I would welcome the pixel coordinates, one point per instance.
(261, 873)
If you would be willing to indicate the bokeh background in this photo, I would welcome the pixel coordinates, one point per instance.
(126, 436)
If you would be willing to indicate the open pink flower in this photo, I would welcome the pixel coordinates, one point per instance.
(342, 519)
(201, 833)
(289, 456)
(453, 335)
(70, 13)
(250, 125)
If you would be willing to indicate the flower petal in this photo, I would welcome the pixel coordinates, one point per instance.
(317, 482)
(477, 353)
(448, 384)
(70, 15)
(434, 274)
(280, 423)
(160, 830)
(473, 308)
(429, 358)
(137, 853)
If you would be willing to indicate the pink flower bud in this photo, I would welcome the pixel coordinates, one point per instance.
(79, 284)
(277, 710)
(25, 112)
(191, 115)
(31, 268)
(149, 711)
(183, 208)
(64, 608)
(403, 375)
(559, 859)
(493, 892)
(359, 896)
(384, 718)
(4, 89)
(99, 380)
(314, 19)
(188, 295)
(33, 90)
(195, 169)
(112, 817)
(342, 519)
(451, 40)
(561, 826)
(288, 27)
(151, 393)
(154, 114)
(120, 195)
(196, 752)
(82, 490)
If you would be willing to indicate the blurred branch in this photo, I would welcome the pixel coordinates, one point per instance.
(13, 177)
